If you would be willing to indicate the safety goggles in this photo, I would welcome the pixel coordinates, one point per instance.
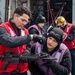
(22, 19)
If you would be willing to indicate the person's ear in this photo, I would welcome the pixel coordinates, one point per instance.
(15, 15)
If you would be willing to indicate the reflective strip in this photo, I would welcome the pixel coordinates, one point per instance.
(11, 32)
(67, 29)
(28, 72)
(57, 56)
(22, 32)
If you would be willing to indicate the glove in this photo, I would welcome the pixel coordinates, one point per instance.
(46, 57)
(39, 38)
(26, 52)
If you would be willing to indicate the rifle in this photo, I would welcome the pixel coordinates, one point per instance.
(16, 58)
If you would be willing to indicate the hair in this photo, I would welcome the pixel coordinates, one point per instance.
(21, 10)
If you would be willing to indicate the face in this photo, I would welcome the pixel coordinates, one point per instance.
(41, 25)
(51, 43)
(61, 25)
(20, 21)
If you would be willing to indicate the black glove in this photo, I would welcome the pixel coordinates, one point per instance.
(46, 57)
(39, 38)
(26, 52)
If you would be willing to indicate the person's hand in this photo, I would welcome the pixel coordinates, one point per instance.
(26, 52)
(39, 38)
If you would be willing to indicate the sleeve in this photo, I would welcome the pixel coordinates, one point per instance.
(71, 36)
(33, 31)
(64, 68)
(11, 41)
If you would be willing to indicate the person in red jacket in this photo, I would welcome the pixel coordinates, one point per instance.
(69, 29)
(14, 38)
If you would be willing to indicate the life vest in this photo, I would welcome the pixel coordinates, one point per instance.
(22, 67)
(69, 44)
(35, 27)
(57, 54)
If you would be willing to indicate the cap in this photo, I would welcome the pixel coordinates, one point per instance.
(57, 34)
(40, 19)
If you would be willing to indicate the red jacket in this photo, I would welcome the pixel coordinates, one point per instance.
(22, 67)
(69, 44)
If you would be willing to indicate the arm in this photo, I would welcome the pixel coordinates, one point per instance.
(64, 67)
(71, 36)
(11, 41)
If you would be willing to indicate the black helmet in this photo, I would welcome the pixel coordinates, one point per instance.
(40, 19)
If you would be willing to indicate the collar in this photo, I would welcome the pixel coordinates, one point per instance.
(14, 27)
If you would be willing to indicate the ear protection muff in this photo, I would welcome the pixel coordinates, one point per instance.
(60, 19)
(56, 21)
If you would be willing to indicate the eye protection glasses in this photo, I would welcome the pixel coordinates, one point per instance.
(22, 19)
